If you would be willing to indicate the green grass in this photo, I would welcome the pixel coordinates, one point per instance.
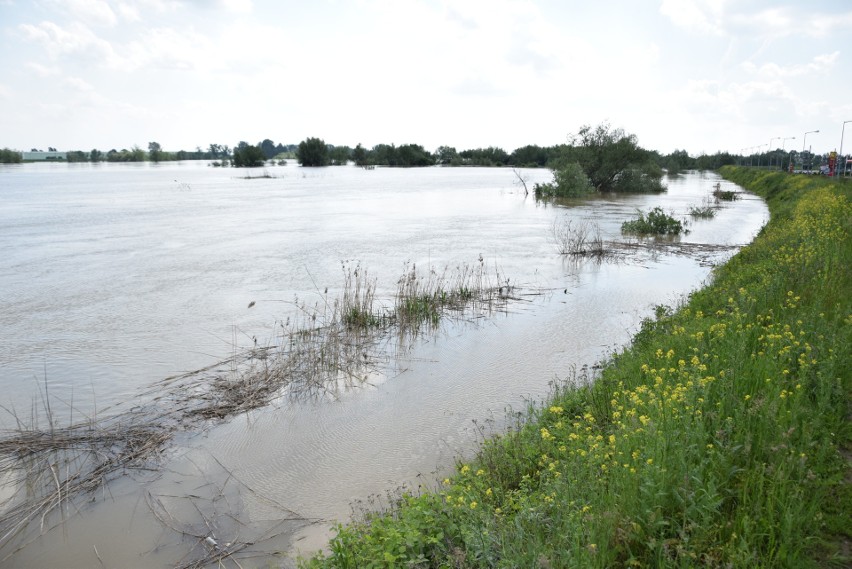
(719, 438)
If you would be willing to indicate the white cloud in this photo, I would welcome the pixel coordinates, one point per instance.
(703, 16)
(79, 84)
(821, 25)
(425, 71)
(478, 87)
(820, 64)
(788, 21)
(725, 18)
(241, 6)
(75, 39)
(168, 48)
(43, 70)
(96, 12)
(127, 12)
(149, 7)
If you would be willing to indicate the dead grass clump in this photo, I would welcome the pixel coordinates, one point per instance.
(578, 238)
(53, 467)
(724, 195)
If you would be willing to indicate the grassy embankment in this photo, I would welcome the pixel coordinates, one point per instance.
(720, 438)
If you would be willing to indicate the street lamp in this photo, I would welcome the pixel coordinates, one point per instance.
(784, 142)
(756, 152)
(804, 139)
(758, 147)
(842, 132)
(769, 148)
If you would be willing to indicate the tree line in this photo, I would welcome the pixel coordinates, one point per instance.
(316, 152)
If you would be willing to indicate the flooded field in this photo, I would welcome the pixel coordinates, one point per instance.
(117, 277)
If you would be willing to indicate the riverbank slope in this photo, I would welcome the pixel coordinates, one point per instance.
(720, 437)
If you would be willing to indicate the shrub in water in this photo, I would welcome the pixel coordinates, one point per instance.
(656, 222)
(569, 180)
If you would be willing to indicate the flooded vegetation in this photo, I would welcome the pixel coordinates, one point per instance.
(292, 388)
(718, 438)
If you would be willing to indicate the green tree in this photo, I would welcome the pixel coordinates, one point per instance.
(339, 155)
(9, 156)
(530, 156)
(248, 156)
(96, 155)
(360, 155)
(447, 155)
(155, 151)
(715, 161)
(414, 155)
(312, 152)
(136, 154)
(268, 148)
(491, 156)
(384, 155)
(613, 160)
(676, 162)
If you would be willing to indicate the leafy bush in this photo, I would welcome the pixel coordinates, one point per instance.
(656, 222)
(569, 181)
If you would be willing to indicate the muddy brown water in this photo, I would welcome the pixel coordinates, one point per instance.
(116, 276)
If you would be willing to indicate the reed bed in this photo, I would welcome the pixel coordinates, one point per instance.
(704, 211)
(471, 290)
(51, 467)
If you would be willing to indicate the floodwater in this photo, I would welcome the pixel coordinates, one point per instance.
(115, 276)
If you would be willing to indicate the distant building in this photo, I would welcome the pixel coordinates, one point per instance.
(44, 156)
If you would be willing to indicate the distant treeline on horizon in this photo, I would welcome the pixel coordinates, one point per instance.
(315, 152)
(322, 154)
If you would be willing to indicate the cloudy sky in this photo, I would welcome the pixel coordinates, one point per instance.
(700, 75)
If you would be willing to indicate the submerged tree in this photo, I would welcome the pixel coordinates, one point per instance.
(313, 152)
(339, 155)
(248, 156)
(569, 180)
(613, 161)
(359, 155)
(155, 151)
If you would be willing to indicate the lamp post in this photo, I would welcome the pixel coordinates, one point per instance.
(842, 132)
(769, 148)
(758, 147)
(804, 139)
(784, 142)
